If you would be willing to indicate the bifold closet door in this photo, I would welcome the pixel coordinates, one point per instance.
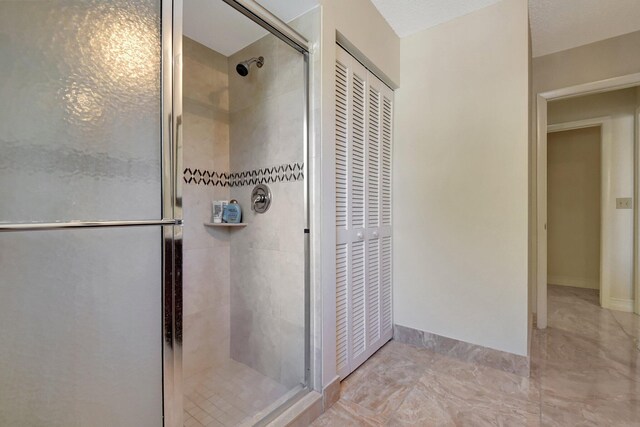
(378, 229)
(363, 213)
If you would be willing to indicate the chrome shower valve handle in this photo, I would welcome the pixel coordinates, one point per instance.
(260, 198)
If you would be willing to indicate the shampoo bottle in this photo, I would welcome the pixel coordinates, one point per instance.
(232, 213)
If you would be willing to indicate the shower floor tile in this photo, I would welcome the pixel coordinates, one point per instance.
(228, 394)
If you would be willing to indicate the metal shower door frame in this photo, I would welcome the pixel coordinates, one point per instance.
(171, 44)
(172, 61)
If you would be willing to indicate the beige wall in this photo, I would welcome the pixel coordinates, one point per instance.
(596, 61)
(363, 26)
(573, 169)
(360, 22)
(620, 106)
(460, 179)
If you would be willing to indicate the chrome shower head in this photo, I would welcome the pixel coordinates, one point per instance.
(243, 67)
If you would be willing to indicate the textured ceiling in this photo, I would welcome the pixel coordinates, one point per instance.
(563, 24)
(410, 16)
(221, 28)
(555, 24)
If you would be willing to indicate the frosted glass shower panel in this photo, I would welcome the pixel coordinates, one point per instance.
(80, 110)
(81, 328)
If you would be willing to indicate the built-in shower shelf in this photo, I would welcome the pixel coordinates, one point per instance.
(225, 224)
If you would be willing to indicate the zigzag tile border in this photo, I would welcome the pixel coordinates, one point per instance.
(283, 173)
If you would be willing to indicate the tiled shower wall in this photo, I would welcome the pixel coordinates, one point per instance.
(267, 257)
(206, 250)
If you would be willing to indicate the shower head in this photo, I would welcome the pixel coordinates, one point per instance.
(243, 67)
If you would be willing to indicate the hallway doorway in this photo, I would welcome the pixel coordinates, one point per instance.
(581, 113)
(574, 207)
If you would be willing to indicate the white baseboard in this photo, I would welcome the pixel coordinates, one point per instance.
(620, 304)
(576, 282)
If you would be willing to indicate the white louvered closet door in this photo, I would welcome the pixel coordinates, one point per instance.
(363, 213)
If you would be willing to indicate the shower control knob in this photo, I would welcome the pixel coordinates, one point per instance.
(260, 198)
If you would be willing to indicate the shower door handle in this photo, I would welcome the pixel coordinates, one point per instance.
(48, 226)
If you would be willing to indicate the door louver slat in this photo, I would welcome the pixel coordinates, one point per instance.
(341, 145)
(358, 299)
(357, 153)
(373, 291)
(385, 288)
(386, 161)
(373, 158)
(342, 301)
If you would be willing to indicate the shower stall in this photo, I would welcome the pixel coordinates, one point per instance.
(123, 301)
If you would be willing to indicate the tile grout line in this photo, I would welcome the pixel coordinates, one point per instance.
(413, 387)
(540, 397)
(540, 376)
(633, 339)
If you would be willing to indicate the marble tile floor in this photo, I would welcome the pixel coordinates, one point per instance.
(229, 394)
(585, 372)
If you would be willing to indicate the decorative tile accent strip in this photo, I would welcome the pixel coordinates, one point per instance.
(472, 353)
(283, 173)
(205, 177)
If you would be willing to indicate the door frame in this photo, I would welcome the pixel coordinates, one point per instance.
(540, 235)
(172, 54)
(606, 196)
(636, 214)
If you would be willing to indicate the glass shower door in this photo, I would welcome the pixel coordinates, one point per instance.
(81, 162)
